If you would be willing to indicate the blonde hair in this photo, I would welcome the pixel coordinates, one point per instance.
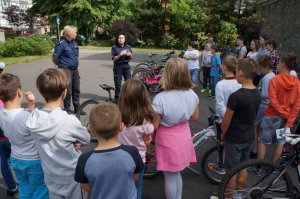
(68, 30)
(176, 75)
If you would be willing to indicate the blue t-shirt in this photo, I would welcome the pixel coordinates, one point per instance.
(215, 66)
(110, 172)
(116, 50)
(66, 53)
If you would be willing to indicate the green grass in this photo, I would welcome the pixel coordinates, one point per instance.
(24, 59)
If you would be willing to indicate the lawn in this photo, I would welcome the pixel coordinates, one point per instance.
(18, 60)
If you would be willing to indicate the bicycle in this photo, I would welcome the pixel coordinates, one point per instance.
(87, 106)
(212, 159)
(257, 179)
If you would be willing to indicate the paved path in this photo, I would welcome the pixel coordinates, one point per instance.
(96, 67)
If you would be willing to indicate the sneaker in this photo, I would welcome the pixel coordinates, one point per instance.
(215, 167)
(13, 192)
(209, 91)
(236, 195)
(213, 197)
(203, 90)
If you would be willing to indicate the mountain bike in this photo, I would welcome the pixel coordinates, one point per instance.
(260, 179)
(87, 106)
(212, 160)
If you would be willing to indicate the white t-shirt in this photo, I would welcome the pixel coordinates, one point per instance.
(293, 72)
(252, 55)
(192, 63)
(13, 124)
(175, 106)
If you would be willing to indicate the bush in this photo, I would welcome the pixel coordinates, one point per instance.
(169, 41)
(130, 30)
(23, 46)
(227, 36)
(1, 49)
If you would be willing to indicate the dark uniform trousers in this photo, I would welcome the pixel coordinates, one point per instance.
(120, 70)
(73, 90)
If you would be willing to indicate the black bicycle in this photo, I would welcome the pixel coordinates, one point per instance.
(87, 106)
(261, 179)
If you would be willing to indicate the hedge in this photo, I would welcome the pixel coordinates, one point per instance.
(24, 46)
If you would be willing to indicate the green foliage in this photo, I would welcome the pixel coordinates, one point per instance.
(201, 38)
(22, 46)
(169, 41)
(130, 30)
(227, 35)
(1, 49)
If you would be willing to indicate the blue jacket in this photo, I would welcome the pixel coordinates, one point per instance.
(66, 53)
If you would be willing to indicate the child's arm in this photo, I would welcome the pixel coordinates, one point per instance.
(226, 122)
(220, 104)
(147, 139)
(30, 100)
(136, 176)
(156, 121)
(86, 187)
(196, 114)
(294, 110)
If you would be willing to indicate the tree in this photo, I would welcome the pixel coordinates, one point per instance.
(14, 15)
(130, 30)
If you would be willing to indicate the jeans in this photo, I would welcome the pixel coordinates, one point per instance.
(139, 184)
(5, 152)
(120, 70)
(73, 90)
(213, 82)
(206, 76)
(31, 179)
(195, 75)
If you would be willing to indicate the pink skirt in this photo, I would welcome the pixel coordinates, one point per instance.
(174, 148)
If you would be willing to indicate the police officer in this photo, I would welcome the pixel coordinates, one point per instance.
(66, 56)
(121, 55)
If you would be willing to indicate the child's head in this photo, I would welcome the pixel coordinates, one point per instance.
(105, 120)
(271, 45)
(191, 45)
(2, 66)
(176, 75)
(240, 40)
(287, 62)
(254, 45)
(10, 87)
(214, 49)
(210, 37)
(229, 64)
(263, 38)
(246, 69)
(208, 46)
(135, 104)
(53, 83)
(265, 63)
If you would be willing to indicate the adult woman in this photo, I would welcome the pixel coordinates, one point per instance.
(254, 45)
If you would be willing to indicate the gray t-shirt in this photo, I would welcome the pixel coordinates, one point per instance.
(263, 87)
(175, 106)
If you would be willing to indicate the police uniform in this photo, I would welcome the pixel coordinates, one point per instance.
(121, 67)
(66, 53)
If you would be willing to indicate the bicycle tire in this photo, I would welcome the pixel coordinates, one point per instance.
(138, 73)
(255, 190)
(201, 76)
(142, 65)
(205, 169)
(153, 88)
(150, 171)
(84, 119)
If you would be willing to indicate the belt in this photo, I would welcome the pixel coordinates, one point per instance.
(68, 67)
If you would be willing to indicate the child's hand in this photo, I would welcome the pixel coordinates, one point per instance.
(77, 145)
(30, 97)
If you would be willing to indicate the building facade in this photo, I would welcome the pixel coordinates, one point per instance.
(23, 4)
(281, 20)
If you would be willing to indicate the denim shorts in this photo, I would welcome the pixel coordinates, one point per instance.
(236, 153)
(268, 127)
(260, 114)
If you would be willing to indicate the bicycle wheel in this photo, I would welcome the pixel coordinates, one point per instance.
(150, 165)
(139, 73)
(201, 76)
(256, 185)
(141, 65)
(86, 108)
(211, 167)
(152, 78)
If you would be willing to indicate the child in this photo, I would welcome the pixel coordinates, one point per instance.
(238, 125)
(284, 105)
(54, 132)
(110, 170)
(5, 151)
(138, 116)
(206, 65)
(265, 64)
(192, 60)
(272, 46)
(175, 106)
(214, 71)
(241, 49)
(25, 159)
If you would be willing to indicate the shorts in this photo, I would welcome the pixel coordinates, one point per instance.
(268, 127)
(236, 153)
(260, 114)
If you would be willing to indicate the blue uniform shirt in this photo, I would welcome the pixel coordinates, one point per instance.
(116, 50)
(67, 54)
(215, 66)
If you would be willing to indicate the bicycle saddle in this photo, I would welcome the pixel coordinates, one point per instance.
(106, 87)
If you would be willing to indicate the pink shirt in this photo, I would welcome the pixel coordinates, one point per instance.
(1, 103)
(134, 135)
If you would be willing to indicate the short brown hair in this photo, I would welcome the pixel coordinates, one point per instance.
(135, 104)
(272, 42)
(248, 66)
(9, 84)
(52, 83)
(105, 118)
(230, 62)
(265, 61)
(289, 60)
(176, 75)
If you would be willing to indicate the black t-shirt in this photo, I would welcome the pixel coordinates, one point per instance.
(244, 102)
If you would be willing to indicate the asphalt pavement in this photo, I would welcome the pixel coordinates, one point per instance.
(96, 67)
